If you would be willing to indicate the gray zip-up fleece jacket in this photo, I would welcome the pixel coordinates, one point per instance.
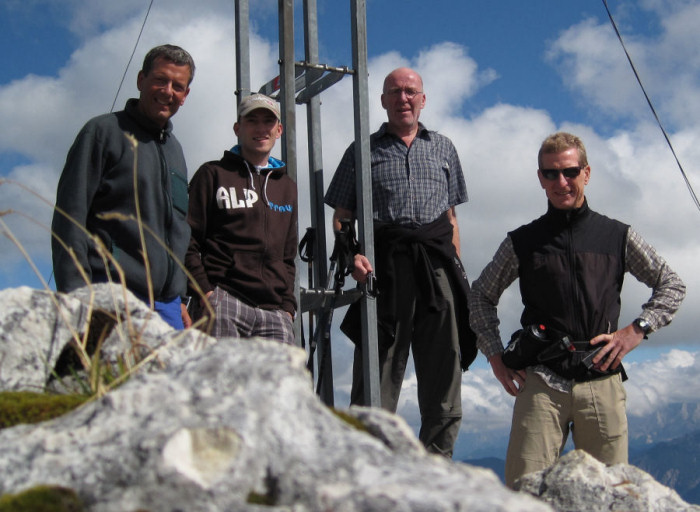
(96, 190)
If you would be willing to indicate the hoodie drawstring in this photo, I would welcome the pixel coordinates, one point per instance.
(264, 190)
(252, 183)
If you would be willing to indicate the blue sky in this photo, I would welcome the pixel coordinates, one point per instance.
(499, 76)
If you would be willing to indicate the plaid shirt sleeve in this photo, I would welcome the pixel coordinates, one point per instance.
(457, 185)
(668, 291)
(485, 293)
(341, 191)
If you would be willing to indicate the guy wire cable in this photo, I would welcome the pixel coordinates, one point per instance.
(132, 56)
(651, 106)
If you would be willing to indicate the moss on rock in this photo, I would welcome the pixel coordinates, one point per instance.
(18, 407)
(350, 420)
(42, 498)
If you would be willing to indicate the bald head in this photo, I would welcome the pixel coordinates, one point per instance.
(402, 74)
(403, 99)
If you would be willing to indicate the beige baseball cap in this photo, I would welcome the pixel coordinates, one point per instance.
(255, 101)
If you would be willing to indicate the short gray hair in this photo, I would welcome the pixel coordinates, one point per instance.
(169, 52)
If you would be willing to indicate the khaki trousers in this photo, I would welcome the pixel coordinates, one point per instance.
(594, 411)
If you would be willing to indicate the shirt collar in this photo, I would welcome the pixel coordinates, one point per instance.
(423, 132)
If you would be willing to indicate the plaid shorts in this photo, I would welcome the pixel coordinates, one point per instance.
(237, 319)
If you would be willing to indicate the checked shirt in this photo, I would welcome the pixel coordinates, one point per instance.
(410, 186)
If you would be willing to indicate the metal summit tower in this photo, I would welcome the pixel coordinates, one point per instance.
(301, 83)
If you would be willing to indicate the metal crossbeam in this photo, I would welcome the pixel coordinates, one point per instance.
(310, 80)
(318, 298)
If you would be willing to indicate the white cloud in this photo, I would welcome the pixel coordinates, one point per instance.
(593, 64)
(446, 92)
(673, 378)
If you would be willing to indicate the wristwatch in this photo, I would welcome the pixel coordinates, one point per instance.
(643, 325)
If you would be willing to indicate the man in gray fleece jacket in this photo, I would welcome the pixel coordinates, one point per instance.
(99, 200)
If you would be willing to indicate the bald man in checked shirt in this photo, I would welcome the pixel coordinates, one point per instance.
(417, 182)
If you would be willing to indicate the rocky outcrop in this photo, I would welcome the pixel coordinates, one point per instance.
(220, 425)
(578, 482)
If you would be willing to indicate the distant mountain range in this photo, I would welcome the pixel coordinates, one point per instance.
(670, 422)
(665, 444)
(675, 464)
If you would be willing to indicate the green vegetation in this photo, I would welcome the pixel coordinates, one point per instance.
(255, 498)
(350, 420)
(42, 498)
(21, 407)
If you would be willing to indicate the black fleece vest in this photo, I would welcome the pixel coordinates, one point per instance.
(571, 270)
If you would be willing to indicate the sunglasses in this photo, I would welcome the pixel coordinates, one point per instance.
(553, 174)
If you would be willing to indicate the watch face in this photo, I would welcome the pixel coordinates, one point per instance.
(643, 325)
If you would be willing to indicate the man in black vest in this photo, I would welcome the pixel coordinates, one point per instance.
(570, 264)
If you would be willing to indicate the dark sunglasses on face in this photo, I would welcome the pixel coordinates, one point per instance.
(553, 174)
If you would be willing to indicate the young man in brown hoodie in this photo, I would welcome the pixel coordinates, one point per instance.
(243, 215)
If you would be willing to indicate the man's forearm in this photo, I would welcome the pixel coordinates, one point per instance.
(452, 216)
